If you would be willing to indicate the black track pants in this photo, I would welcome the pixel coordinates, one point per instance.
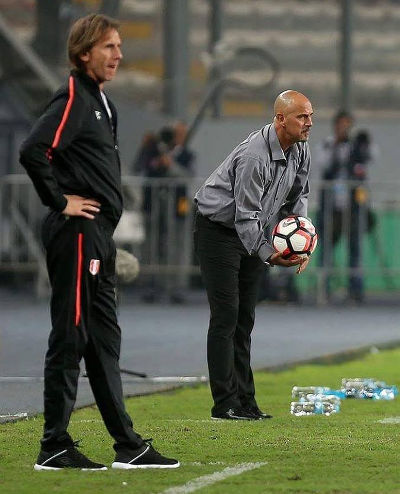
(232, 279)
(81, 266)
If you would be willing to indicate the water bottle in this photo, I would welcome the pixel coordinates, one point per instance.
(317, 390)
(387, 393)
(357, 387)
(303, 397)
(302, 408)
(368, 388)
(379, 392)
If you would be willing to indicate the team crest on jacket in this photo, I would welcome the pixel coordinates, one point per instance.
(94, 266)
(98, 114)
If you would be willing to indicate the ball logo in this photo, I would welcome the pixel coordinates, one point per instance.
(287, 223)
(94, 266)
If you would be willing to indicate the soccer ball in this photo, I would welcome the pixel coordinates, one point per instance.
(294, 236)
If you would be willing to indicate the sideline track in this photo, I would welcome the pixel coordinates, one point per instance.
(168, 341)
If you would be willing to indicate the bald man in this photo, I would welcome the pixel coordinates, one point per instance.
(264, 179)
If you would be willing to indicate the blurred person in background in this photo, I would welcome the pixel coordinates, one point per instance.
(166, 207)
(343, 207)
(148, 150)
(333, 158)
(265, 178)
(362, 155)
(72, 157)
(182, 153)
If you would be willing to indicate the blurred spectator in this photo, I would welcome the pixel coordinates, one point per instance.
(343, 207)
(147, 152)
(165, 205)
(182, 154)
(361, 218)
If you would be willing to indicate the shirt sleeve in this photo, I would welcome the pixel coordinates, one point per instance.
(297, 199)
(54, 131)
(249, 188)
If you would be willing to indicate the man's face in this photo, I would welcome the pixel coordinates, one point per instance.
(297, 121)
(102, 60)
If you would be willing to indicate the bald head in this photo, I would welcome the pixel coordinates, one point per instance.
(293, 112)
(287, 100)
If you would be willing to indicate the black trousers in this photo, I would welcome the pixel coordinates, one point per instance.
(231, 277)
(81, 266)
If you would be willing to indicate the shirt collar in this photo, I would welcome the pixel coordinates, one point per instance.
(272, 140)
(86, 80)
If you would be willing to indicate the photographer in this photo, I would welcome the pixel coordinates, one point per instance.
(165, 204)
(341, 158)
(360, 158)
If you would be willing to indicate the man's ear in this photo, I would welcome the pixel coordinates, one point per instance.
(280, 118)
(85, 57)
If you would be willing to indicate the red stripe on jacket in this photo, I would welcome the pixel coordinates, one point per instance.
(78, 281)
(65, 116)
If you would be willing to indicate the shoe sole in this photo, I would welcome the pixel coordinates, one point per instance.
(43, 467)
(129, 466)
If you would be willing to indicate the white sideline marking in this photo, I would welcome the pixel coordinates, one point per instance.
(390, 420)
(206, 480)
(86, 421)
(207, 421)
(126, 379)
(231, 423)
(200, 464)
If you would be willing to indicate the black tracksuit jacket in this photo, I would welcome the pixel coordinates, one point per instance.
(73, 149)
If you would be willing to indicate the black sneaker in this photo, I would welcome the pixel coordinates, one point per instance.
(68, 457)
(144, 457)
(235, 414)
(258, 413)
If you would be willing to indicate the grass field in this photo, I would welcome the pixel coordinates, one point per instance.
(351, 452)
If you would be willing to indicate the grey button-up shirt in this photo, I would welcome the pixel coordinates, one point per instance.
(255, 186)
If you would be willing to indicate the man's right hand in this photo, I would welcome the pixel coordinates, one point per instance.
(80, 206)
(278, 260)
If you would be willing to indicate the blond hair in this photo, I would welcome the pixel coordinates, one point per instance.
(85, 33)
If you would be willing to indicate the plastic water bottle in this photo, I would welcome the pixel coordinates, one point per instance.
(303, 397)
(388, 393)
(302, 408)
(368, 388)
(317, 390)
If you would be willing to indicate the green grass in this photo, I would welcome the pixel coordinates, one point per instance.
(345, 453)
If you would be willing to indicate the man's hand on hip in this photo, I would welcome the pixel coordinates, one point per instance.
(80, 206)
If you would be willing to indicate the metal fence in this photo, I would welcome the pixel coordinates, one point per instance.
(359, 235)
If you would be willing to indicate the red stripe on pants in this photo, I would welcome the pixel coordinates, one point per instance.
(78, 281)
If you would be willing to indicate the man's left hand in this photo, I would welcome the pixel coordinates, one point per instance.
(304, 263)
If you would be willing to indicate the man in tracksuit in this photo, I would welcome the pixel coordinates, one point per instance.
(72, 158)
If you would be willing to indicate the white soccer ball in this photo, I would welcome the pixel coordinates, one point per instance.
(294, 236)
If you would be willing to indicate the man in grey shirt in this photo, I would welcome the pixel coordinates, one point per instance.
(265, 178)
